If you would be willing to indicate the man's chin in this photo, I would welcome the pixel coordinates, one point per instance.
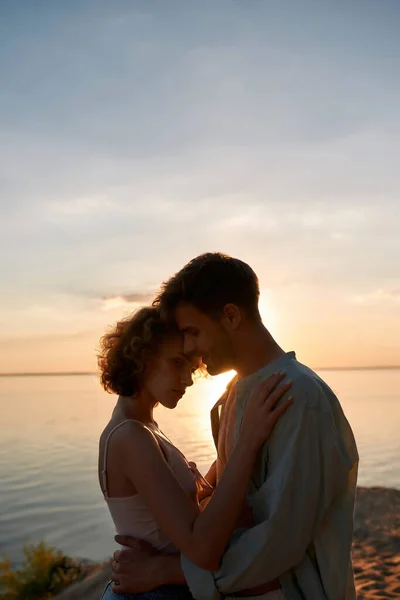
(216, 370)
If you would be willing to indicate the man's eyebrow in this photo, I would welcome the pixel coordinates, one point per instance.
(187, 328)
(188, 357)
(191, 355)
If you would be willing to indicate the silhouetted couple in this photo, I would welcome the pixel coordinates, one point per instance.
(273, 517)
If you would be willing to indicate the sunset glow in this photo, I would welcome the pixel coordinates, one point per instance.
(147, 136)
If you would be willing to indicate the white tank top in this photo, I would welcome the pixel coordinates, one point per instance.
(130, 514)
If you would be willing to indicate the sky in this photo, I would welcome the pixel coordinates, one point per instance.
(136, 135)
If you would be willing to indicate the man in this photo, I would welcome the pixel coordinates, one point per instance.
(303, 488)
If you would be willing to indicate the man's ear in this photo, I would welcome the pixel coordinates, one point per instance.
(232, 316)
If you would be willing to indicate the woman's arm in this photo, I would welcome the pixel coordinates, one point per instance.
(205, 488)
(211, 475)
(200, 536)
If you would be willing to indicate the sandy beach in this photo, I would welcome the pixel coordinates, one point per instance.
(376, 550)
(376, 546)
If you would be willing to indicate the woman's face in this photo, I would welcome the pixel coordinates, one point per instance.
(170, 373)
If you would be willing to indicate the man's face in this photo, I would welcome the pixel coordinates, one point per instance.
(205, 337)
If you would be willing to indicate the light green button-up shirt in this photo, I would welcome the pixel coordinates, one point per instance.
(302, 495)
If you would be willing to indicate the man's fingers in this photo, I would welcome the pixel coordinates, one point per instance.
(134, 543)
(127, 540)
(114, 576)
(118, 588)
(115, 566)
(116, 555)
(146, 546)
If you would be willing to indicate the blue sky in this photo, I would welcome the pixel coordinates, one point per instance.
(136, 135)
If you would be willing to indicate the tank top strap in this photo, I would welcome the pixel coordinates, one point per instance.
(104, 469)
(164, 444)
(157, 438)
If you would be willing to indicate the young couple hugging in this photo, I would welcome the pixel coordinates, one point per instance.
(273, 517)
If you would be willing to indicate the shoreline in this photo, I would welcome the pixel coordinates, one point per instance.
(376, 550)
(85, 373)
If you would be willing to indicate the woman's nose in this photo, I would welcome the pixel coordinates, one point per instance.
(188, 379)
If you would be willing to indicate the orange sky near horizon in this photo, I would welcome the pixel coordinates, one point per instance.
(327, 335)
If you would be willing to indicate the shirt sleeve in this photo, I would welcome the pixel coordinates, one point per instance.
(307, 468)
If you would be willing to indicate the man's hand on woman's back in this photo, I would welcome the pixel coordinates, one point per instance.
(140, 568)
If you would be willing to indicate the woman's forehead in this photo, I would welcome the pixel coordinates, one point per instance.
(173, 346)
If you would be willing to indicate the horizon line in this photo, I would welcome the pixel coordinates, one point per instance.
(83, 373)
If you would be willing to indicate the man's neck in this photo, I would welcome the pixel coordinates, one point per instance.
(257, 349)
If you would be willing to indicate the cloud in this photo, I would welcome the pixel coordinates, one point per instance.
(378, 297)
(123, 300)
(39, 338)
(81, 205)
(148, 136)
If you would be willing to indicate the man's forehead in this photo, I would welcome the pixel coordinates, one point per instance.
(186, 314)
(185, 307)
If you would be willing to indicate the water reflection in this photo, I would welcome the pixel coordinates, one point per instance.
(48, 449)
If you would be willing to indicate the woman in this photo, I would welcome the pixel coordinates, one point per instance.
(151, 490)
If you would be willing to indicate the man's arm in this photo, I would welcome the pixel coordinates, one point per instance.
(307, 469)
(140, 568)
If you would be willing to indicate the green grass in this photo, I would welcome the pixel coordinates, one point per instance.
(43, 573)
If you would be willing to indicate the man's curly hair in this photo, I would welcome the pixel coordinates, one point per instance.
(126, 347)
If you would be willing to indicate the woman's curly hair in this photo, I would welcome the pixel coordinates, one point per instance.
(125, 349)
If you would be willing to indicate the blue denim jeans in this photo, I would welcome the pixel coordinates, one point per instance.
(167, 592)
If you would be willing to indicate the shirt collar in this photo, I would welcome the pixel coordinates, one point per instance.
(245, 385)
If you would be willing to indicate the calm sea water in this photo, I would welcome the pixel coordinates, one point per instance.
(49, 427)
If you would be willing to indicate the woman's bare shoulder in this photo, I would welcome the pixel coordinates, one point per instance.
(131, 433)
